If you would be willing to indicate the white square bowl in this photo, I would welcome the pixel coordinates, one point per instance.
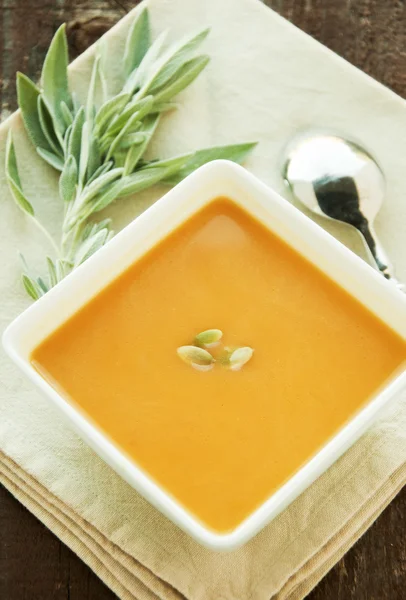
(219, 178)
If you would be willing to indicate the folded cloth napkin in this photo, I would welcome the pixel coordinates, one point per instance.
(266, 81)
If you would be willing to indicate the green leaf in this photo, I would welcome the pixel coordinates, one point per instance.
(126, 129)
(184, 77)
(42, 285)
(132, 139)
(137, 43)
(66, 139)
(24, 262)
(92, 89)
(92, 228)
(90, 246)
(75, 138)
(109, 109)
(13, 178)
(100, 171)
(62, 269)
(20, 198)
(84, 152)
(111, 194)
(75, 103)
(235, 152)
(98, 184)
(164, 107)
(94, 160)
(53, 278)
(51, 158)
(120, 156)
(68, 180)
(31, 287)
(47, 126)
(148, 176)
(27, 94)
(140, 108)
(139, 74)
(173, 60)
(55, 76)
(66, 113)
(11, 160)
(136, 152)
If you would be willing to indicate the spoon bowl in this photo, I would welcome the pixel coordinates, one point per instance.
(339, 180)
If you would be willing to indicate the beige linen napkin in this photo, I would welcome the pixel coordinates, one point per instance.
(266, 81)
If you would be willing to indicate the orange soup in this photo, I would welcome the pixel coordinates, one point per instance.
(220, 441)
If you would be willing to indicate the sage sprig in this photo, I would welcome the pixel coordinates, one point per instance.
(98, 148)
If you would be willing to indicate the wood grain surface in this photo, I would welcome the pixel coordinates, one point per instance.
(34, 564)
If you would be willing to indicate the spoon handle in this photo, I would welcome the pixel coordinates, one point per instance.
(379, 255)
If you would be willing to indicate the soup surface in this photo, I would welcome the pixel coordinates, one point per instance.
(220, 441)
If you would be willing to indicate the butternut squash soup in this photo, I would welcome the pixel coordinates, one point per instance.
(220, 436)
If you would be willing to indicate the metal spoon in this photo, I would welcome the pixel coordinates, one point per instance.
(339, 180)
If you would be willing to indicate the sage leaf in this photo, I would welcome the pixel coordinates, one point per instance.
(66, 139)
(108, 196)
(53, 278)
(136, 152)
(20, 198)
(11, 160)
(13, 178)
(94, 160)
(90, 191)
(139, 74)
(66, 114)
(173, 60)
(75, 138)
(92, 89)
(140, 108)
(55, 76)
(84, 152)
(75, 103)
(42, 285)
(184, 77)
(100, 171)
(147, 176)
(27, 95)
(90, 246)
(120, 156)
(208, 338)
(51, 158)
(68, 180)
(92, 228)
(235, 152)
(132, 139)
(31, 287)
(137, 43)
(195, 357)
(164, 107)
(110, 108)
(47, 127)
(126, 129)
(24, 262)
(62, 268)
(240, 357)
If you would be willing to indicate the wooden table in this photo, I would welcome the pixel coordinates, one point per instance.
(34, 564)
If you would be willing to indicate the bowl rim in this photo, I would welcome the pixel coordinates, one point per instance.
(199, 189)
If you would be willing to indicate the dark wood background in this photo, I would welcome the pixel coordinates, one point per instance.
(34, 564)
